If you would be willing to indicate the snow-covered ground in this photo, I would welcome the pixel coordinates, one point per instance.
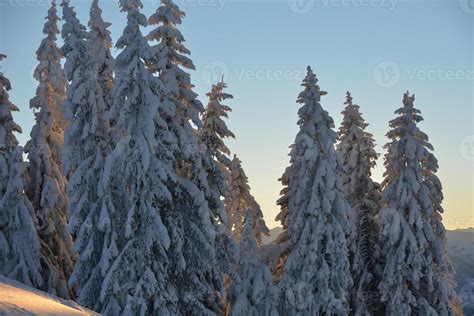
(19, 299)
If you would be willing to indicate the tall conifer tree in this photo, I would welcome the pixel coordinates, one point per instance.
(135, 183)
(87, 142)
(46, 187)
(202, 248)
(316, 274)
(19, 242)
(358, 157)
(417, 277)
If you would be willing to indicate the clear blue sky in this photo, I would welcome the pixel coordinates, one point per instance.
(377, 49)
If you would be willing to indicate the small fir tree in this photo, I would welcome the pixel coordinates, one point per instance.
(240, 201)
(214, 129)
(254, 294)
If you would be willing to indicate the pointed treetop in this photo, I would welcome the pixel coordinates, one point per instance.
(348, 98)
(170, 14)
(74, 35)
(411, 222)
(311, 81)
(70, 17)
(8, 140)
(408, 113)
(73, 26)
(408, 106)
(96, 22)
(408, 100)
(218, 94)
(241, 204)
(126, 5)
(51, 26)
(49, 71)
(310, 77)
(352, 118)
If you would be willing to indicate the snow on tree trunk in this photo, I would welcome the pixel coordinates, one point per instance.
(46, 188)
(87, 142)
(239, 201)
(202, 247)
(417, 277)
(254, 294)
(358, 157)
(19, 243)
(314, 215)
(214, 129)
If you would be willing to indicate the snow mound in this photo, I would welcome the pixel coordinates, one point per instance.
(19, 299)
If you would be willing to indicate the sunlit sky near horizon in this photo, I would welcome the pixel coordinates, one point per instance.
(377, 49)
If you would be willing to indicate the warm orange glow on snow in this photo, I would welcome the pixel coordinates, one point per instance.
(17, 301)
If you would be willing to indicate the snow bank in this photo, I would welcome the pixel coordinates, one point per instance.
(19, 299)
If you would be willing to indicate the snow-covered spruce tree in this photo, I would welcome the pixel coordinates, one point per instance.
(19, 243)
(74, 35)
(358, 157)
(239, 201)
(86, 145)
(139, 181)
(46, 188)
(417, 277)
(180, 105)
(100, 43)
(201, 253)
(316, 271)
(214, 129)
(254, 294)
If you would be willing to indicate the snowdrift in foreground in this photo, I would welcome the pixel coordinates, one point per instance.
(19, 299)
